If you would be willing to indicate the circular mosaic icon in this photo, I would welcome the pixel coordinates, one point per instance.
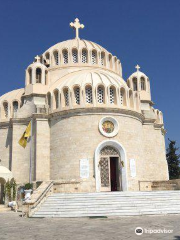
(108, 126)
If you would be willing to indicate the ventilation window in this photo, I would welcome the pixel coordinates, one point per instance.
(77, 95)
(65, 57)
(56, 58)
(84, 56)
(102, 59)
(121, 98)
(143, 87)
(88, 94)
(75, 55)
(38, 75)
(15, 106)
(112, 95)
(100, 95)
(135, 84)
(6, 110)
(94, 57)
(66, 97)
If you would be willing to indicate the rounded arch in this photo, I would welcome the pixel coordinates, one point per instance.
(88, 94)
(135, 84)
(76, 95)
(84, 56)
(94, 57)
(56, 99)
(5, 109)
(29, 81)
(103, 58)
(143, 84)
(65, 56)
(100, 94)
(56, 57)
(74, 55)
(119, 147)
(131, 99)
(49, 99)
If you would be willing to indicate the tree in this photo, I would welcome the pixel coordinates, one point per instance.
(173, 159)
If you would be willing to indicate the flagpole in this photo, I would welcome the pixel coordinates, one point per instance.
(30, 168)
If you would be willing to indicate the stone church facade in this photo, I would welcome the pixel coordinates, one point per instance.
(91, 130)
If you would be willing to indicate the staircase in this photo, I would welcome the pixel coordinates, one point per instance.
(64, 205)
(164, 185)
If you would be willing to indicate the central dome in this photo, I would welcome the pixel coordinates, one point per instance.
(81, 52)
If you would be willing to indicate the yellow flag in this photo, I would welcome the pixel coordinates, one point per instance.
(23, 140)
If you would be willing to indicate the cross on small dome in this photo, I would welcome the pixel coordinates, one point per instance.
(37, 58)
(76, 25)
(137, 67)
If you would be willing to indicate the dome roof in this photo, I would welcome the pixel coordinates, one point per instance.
(4, 170)
(13, 95)
(92, 77)
(76, 43)
(138, 74)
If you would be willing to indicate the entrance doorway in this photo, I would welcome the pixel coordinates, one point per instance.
(110, 169)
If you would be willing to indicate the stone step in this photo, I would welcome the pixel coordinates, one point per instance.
(110, 204)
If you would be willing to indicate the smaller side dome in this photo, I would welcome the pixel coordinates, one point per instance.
(139, 82)
(36, 73)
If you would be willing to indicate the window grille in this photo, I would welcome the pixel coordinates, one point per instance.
(100, 95)
(94, 57)
(6, 110)
(75, 56)
(66, 97)
(121, 98)
(102, 59)
(56, 58)
(111, 97)
(65, 57)
(88, 94)
(84, 56)
(15, 106)
(77, 95)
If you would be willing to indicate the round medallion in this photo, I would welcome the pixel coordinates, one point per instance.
(108, 126)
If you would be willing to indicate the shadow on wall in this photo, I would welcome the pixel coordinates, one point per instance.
(176, 237)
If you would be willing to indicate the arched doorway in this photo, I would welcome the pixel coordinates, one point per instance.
(110, 167)
(2, 193)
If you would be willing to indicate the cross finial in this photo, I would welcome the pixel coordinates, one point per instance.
(37, 58)
(137, 67)
(76, 25)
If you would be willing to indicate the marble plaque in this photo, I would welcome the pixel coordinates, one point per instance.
(84, 168)
(133, 167)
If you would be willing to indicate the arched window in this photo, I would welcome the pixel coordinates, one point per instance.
(75, 55)
(115, 63)
(38, 75)
(56, 58)
(112, 95)
(135, 84)
(49, 100)
(94, 57)
(6, 109)
(131, 99)
(84, 56)
(30, 75)
(89, 94)
(102, 58)
(122, 97)
(47, 59)
(66, 97)
(100, 94)
(110, 61)
(15, 106)
(65, 56)
(77, 95)
(56, 98)
(143, 85)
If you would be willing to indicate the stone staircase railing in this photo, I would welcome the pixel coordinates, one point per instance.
(38, 197)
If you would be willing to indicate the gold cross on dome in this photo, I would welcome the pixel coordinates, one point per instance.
(137, 67)
(37, 58)
(76, 25)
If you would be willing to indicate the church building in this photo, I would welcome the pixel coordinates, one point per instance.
(91, 130)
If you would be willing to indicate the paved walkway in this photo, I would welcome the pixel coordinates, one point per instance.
(13, 227)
